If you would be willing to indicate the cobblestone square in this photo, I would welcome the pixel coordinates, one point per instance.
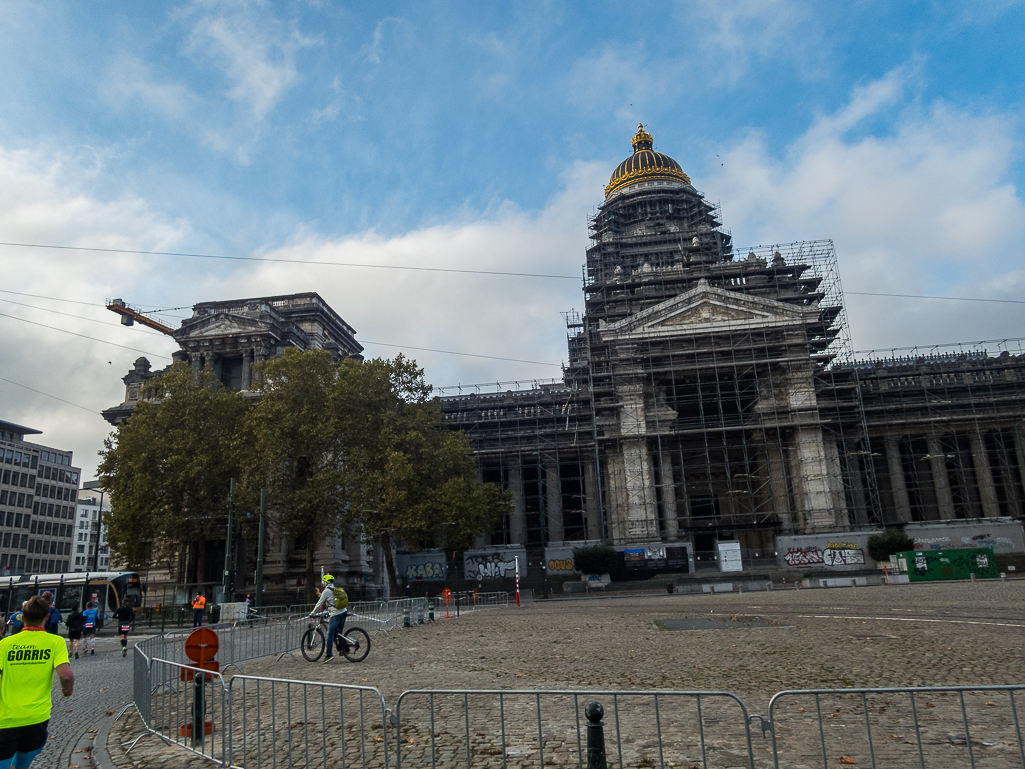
(896, 636)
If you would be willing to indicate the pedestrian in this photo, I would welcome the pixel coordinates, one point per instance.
(124, 615)
(198, 604)
(90, 619)
(74, 624)
(27, 664)
(15, 621)
(53, 615)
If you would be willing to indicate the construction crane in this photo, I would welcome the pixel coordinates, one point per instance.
(130, 315)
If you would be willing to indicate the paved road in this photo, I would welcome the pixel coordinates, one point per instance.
(102, 682)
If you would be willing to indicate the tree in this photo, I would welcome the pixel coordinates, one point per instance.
(594, 559)
(406, 477)
(168, 469)
(297, 449)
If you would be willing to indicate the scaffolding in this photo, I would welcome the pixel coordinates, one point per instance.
(712, 393)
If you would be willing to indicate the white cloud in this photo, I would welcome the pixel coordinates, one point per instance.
(922, 209)
(732, 36)
(255, 50)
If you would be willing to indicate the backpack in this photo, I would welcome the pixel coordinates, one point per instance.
(341, 599)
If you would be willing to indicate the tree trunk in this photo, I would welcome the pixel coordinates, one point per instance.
(310, 575)
(389, 565)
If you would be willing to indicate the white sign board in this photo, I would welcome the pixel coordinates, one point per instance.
(729, 556)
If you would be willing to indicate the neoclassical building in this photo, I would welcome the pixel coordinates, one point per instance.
(711, 395)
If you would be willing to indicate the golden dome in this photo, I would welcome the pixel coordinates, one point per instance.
(645, 165)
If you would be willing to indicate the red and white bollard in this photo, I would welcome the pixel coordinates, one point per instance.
(517, 558)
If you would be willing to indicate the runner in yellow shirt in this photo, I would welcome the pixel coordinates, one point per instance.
(28, 661)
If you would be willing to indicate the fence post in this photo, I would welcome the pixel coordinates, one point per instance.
(595, 736)
(430, 610)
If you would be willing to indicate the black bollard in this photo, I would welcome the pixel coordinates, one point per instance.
(595, 736)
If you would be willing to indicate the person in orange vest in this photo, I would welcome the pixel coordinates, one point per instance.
(197, 610)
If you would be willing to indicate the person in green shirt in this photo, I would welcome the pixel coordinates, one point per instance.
(28, 661)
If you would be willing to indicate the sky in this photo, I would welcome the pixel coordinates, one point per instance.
(479, 136)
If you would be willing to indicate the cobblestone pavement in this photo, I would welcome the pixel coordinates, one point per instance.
(103, 682)
(908, 635)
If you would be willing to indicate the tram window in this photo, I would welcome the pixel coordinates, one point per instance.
(69, 598)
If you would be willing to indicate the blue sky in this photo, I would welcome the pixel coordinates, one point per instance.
(480, 136)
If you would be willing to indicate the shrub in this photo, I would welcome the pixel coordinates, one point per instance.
(882, 546)
(594, 559)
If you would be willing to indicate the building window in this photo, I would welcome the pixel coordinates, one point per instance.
(80, 548)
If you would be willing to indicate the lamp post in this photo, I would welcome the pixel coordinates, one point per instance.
(226, 597)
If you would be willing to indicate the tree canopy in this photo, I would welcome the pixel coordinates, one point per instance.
(353, 445)
(168, 468)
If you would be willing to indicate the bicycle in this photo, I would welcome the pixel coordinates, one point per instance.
(314, 641)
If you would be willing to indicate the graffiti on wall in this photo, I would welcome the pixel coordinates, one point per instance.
(490, 565)
(431, 570)
(560, 564)
(999, 544)
(803, 556)
(843, 554)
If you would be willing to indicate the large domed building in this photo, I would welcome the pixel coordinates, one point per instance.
(711, 415)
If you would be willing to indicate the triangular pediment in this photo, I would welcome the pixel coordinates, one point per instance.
(222, 324)
(707, 309)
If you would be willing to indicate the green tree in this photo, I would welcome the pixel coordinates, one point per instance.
(297, 450)
(406, 477)
(167, 470)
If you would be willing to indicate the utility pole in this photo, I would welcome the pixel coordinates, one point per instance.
(99, 524)
(228, 545)
(259, 551)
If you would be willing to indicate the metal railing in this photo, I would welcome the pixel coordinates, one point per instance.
(189, 707)
(538, 728)
(278, 722)
(935, 726)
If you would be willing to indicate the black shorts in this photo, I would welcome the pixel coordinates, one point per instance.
(22, 739)
(124, 629)
(74, 635)
(88, 631)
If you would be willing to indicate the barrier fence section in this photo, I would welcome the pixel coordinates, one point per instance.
(936, 726)
(277, 722)
(538, 728)
(190, 707)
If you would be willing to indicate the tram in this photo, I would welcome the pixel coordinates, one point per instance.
(109, 589)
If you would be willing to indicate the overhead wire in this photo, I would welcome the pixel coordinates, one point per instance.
(48, 395)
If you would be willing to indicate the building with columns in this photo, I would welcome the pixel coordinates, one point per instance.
(713, 395)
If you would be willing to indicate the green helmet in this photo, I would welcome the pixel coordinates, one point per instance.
(328, 578)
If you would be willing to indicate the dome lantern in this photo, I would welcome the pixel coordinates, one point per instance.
(645, 165)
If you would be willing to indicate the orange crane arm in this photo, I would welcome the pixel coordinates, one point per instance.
(129, 316)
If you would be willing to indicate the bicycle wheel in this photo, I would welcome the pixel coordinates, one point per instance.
(359, 644)
(312, 644)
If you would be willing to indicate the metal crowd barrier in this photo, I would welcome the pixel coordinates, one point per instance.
(935, 726)
(538, 728)
(277, 722)
(191, 708)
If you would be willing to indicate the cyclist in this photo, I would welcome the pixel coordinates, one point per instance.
(124, 615)
(336, 602)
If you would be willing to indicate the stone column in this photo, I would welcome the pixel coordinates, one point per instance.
(857, 488)
(898, 483)
(812, 485)
(672, 529)
(592, 508)
(641, 523)
(940, 478)
(1019, 449)
(247, 369)
(778, 484)
(518, 516)
(553, 501)
(197, 362)
(983, 475)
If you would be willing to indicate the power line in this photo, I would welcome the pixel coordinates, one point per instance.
(294, 261)
(467, 354)
(40, 392)
(83, 336)
(925, 296)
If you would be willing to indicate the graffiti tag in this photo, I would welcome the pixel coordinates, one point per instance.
(429, 570)
(843, 554)
(804, 556)
(489, 566)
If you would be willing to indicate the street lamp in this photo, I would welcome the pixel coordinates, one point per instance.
(99, 524)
